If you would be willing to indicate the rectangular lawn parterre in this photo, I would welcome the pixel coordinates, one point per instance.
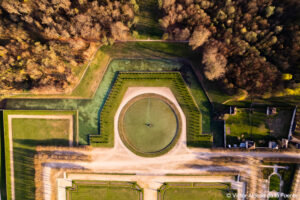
(195, 191)
(27, 133)
(101, 190)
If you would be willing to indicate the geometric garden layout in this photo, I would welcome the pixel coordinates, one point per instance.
(149, 99)
(145, 134)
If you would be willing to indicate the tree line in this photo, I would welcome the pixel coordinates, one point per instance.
(243, 44)
(247, 44)
(44, 42)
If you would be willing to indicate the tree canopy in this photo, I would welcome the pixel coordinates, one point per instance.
(42, 42)
(245, 44)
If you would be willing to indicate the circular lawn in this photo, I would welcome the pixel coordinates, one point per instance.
(149, 125)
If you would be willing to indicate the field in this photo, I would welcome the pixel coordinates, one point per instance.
(149, 124)
(195, 191)
(95, 190)
(274, 183)
(256, 125)
(172, 80)
(27, 133)
(149, 14)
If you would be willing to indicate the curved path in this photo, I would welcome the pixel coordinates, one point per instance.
(150, 171)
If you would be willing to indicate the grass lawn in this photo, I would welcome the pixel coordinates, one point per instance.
(247, 126)
(27, 134)
(89, 109)
(279, 124)
(103, 191)
(287, 175)
(149, 125)
(297, 127)
(274, 183)
(257, 126)
(162, 50)
(2, 159)
(195, 191)
(89, 83)
(172, 80)
(272, 101)
(149, 14)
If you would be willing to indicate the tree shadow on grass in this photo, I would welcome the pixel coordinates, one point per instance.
(24, 173)
(49, 142)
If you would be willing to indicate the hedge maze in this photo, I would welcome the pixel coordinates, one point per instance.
(172, 80)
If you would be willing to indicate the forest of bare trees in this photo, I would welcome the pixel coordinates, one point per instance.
(245, 44)
(42, 42)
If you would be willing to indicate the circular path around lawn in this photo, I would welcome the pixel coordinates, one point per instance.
(149, 125)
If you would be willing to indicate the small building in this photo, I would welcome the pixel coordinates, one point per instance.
(250, 144)
(247, 144)
(232, 110)
(271, 110)
(243, 145)
(273, 145)
(284, 143)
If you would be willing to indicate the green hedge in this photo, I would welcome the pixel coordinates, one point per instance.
(175, 82)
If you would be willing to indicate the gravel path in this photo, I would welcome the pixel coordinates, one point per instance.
(151, 171)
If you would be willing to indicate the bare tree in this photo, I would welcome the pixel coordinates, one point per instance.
(214, 62)
(199, 37)
(119, 31)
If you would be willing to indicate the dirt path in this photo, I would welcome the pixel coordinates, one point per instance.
(194, 161)
(151, 172)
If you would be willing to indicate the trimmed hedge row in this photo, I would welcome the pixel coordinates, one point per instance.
(175, 82)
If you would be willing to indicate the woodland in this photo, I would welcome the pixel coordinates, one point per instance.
(253, 45)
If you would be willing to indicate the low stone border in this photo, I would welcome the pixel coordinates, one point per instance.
(123, 134)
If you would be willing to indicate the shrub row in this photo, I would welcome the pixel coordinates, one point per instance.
(175, 82)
